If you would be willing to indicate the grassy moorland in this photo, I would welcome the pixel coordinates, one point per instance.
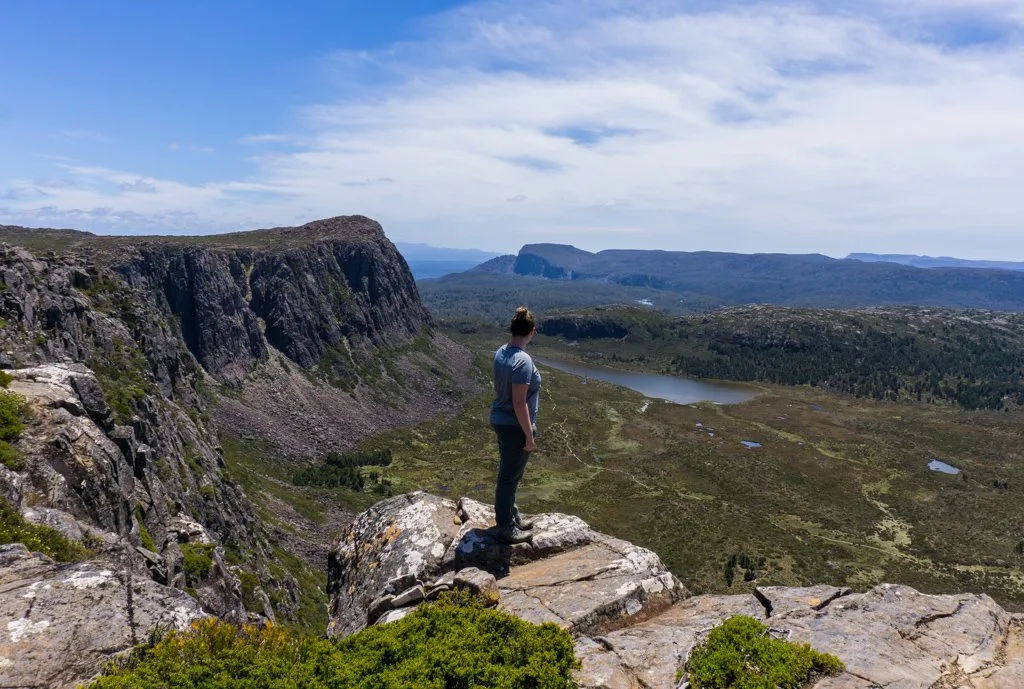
(840, 491)
(972, 358)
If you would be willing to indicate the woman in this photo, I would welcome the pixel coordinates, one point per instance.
(514, 418)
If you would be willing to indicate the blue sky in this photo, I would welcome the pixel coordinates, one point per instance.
(852, 125)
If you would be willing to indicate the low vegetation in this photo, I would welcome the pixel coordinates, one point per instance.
(39, 539)
(145, 538)
(197, 560)
(742, 654)
(266, 479)
(493, 298)
(345, 470)
(974, 359)
(455, 643)
(122, 374)
(12, 411)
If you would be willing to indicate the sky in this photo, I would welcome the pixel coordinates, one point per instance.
(800, 127)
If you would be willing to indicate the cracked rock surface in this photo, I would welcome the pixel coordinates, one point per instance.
(61, 623)
(635, 624)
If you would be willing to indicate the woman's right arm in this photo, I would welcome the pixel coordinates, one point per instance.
(519, 394)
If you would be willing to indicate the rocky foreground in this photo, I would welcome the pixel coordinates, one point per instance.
(635, 623)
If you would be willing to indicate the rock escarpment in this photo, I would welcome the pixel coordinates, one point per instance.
(634, 622)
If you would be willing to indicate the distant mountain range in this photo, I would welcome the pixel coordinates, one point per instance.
(935, 262)
(781, 279)
(427, 261)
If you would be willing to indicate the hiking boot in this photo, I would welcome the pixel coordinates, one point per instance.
(511, 535)
(523, 523)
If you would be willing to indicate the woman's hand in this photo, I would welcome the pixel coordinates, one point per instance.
(519, 392)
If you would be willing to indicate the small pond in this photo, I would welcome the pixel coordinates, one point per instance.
(750, 444)
(671, 388)
(936, 465)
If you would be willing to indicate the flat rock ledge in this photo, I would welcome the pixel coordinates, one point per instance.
(62, 623)
(634, 623)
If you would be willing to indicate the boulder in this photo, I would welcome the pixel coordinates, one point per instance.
(419, 543)
(478, 583)
(404, 536)
(894, 636)
(890, 636)
(61, 623)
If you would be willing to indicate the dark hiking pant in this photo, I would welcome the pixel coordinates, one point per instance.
(511, 441)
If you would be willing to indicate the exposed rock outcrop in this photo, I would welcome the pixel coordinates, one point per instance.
(634, 622)
(569, 574)
(133, 352)
(60, 624)
(106, 487)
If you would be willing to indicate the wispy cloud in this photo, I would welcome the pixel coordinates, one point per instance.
(139, 186)
(85, 135)
(256, 139)
(814, 126)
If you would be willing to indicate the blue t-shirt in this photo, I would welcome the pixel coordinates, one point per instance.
(513, 366)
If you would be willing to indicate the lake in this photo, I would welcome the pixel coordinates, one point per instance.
(936, 465)
(671, 388)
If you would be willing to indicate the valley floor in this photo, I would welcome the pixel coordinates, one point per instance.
(839, 491)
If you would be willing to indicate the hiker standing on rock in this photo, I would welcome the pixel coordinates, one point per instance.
(514, 419)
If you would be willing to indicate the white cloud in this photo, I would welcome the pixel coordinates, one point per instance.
(748, 127)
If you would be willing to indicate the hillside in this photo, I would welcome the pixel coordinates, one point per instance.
(972, 358)
(493, 296)
(936, 262)
(781, 279)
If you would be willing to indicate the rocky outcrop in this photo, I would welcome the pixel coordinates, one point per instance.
(133, 352)
(569, 574)
(60, 624)
(634, 622)
(97, 481)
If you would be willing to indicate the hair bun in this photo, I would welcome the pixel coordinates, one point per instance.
(523, 322)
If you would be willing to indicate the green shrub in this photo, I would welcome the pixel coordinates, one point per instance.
(455, 643)
(12, 410)
(197, 559)
(123, 374)
(342, 470)
(10, 457)
(39, 539)
(740, 654)
(144, 536)
(5, 377)
(250, 582)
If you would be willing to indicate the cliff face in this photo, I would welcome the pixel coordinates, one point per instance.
(132, 354)
(635, 624)
(234, 303)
